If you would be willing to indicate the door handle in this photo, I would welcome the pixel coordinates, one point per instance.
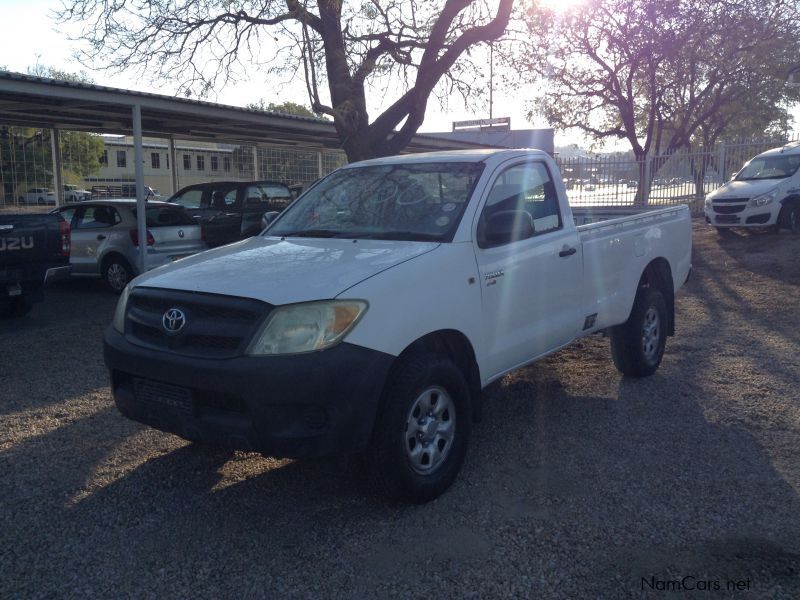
(567, 252)
(100, 237)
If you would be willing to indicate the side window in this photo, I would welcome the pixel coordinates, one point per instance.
(522, 203)
(94, 217)
(189, 198)
(223, 198)
(276, 196)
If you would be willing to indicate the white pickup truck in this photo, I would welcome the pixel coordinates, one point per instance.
(372, 312)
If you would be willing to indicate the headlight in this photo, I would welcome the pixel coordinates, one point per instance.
(763, 199)
(308, 326)
(708, 201)
(119, 314)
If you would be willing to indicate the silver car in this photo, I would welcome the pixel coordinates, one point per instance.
(105, 241)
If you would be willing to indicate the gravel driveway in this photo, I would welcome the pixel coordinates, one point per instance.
(578, 483)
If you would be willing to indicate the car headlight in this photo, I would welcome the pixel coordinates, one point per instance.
(306, 327)
(708, 201)
(119, 313)
(763, 199)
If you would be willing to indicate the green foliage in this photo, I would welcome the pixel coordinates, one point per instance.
(287, 108)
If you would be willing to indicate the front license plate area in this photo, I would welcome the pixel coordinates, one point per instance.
(162, 394)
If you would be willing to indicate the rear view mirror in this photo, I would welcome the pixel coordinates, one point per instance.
(268, 218)
(507, 226)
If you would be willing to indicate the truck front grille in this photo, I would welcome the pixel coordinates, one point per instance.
(216, 326)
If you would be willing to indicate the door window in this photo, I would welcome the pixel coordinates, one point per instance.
(522, 203)
(223, 198)
(268, 194)
(68, 213)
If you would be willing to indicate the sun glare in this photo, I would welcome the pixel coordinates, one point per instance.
(561, 6)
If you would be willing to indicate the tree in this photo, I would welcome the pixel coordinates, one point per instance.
(288, 108)
(348, 47)
(663, 73)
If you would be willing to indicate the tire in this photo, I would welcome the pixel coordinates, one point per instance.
(427, 392)
(40, 201)
(18, 307)
(724, 231)
(637, 346)
(117, 273)
(790, 217)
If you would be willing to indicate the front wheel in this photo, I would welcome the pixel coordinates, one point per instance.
(790, 217)
(117, 273)
(422, 429)
(637, 346)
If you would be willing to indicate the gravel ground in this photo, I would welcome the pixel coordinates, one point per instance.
(578, 483)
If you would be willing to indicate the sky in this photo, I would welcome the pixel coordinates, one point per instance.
(29, 35)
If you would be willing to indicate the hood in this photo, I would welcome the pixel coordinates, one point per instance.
(284, 271)
(746, 189)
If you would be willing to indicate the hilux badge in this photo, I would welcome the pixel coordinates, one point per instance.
(173, 321)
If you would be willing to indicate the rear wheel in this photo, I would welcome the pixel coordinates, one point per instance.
(422, 429)
(117, 273)
(17, 307)
(637, 346)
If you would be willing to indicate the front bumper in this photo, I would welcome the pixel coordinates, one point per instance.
(749, 216)
(312, 404)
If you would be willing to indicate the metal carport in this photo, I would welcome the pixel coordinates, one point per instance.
(62, 105)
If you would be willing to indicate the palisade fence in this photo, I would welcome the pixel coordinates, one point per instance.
(103, 165)
(664, 180)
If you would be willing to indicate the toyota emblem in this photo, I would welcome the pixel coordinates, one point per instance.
(173, 321)
(180, 233)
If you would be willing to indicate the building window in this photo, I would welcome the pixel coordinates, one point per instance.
(214, 163)
(155, 160)
(187, 162)
(226, 163)
(122, 158)
(201, 162)
(104, 158)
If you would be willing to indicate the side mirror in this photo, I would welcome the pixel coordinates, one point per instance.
(507, 226)
(268, 218)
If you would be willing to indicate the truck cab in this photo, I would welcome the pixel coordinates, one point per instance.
(764, 193)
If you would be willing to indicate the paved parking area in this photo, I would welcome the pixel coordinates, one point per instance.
(578, 483)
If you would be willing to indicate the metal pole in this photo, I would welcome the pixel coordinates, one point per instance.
(173, 165)
(319, 164)
(138, 164)
(58, 177)
(255, 163)
(491, 78)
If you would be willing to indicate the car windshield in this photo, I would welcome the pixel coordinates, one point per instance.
(770, 167)
(418, 201)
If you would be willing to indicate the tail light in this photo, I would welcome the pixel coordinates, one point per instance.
(63, 228)
(135, 238)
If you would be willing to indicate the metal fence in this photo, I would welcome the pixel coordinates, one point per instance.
(98, 165)
(678, 178)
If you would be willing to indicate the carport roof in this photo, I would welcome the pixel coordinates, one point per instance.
(42, 102)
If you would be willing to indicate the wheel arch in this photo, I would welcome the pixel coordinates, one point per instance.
(111, 254)
(456, 346)
(658, 274)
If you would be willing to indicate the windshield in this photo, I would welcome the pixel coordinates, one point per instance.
(422, 201)
(776, 166)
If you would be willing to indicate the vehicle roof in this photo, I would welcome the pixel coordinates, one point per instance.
(119, 202)
(478, 155)
(789, 149)
(233, 182)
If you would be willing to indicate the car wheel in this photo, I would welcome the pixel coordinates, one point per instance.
(40, 201)
(637, 346)
(422, 429)
(790, 217)
(18, 307)
(724, 231)
(117, 273)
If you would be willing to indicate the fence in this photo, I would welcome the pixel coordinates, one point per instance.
(678, 178)
(106, 163)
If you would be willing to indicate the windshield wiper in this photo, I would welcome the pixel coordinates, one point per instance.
(416, 236)
(317, 233)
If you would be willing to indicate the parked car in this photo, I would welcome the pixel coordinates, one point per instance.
(74, 194)
(39, 196)
(122, 191)
(764, 193)
(34, 251)
(232, 210)
(105, 240)
(372, 312)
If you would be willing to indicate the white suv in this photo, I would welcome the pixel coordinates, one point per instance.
(765, 193)
(38, 196)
